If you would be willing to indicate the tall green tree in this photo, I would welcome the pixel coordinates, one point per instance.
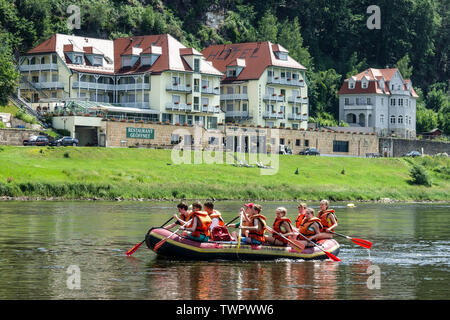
(9, 77)
(268, 28)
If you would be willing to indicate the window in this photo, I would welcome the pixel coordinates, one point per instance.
(196, 103)
(212, 124)
(306, 143)
(166, 117)
(196, 65)
(369, 101)
(400, 119)
(295, 126)
(230, 90)
(381, 118)
(205, 102)
(281, 140)
(176, 99)
(393, 119)
(196, 85)
(392, 102)
(78, 59)
(340, 146)
(97, 60)
(351, 85)
(400, 102)
(232, 72)
(244, 107)
(244, 89)
(297, 142)
(364, 84)
(175, 81)
(229, 107)
(347, 101)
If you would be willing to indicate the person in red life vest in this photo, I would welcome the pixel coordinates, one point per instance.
(256, 227)
(198, 228)
(282, 225)
(301, 214)
(216, 216)
(184, 215)
(310, 227)
(328, 219)
(246, 212)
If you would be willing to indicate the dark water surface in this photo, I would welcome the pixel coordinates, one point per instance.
(40, 240)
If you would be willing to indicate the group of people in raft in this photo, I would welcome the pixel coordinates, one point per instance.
(198, 224)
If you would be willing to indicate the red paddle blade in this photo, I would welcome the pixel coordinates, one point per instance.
(362, 243)
(332, 256)
(134, 248)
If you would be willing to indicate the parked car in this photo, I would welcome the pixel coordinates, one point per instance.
(36, 141)
(310, 152)
(65, 141)
(413, 153)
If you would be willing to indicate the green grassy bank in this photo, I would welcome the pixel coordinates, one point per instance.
(75, 173)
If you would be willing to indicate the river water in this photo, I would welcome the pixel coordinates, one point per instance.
(45, 246)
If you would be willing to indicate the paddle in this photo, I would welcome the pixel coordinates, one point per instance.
(240, 230)
(361, 242)
(329, 255)
(160, 243)
(226, 224)
(137, 245)
(298, 246)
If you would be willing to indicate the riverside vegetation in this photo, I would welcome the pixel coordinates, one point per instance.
(111, 173)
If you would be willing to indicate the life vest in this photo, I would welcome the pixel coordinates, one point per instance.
(299, 220)
(257, 234)
(203, 223)
(324, 218)
(304, 227)
(216, 214)
(276, 227)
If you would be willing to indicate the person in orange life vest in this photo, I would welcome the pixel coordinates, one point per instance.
(245, 220)
(184, 215)
(198, 228)
(216, 216)
(282, 225)
(256, 228)
(301, 214)
(328, 219)
(310, 227)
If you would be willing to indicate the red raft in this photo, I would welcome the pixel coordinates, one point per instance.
(178, 247)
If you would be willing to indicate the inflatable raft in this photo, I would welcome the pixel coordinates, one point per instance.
(178, 247)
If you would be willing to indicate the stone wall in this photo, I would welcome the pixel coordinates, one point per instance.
(15, 137)
(392, 147)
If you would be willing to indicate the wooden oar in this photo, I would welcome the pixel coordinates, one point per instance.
(329, 255)
(160, 243)
(137, 245)
(298, 246)
(361, 242)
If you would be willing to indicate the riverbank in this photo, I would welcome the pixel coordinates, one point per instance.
(149, 174)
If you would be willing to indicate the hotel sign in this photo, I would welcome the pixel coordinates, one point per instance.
(140, 133)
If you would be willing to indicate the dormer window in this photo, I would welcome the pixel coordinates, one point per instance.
(351, 85)
(97, 60)
(231, 72)
(196, 65)
(78, 59)
(282, 55)
(364, 84)
(126, 61)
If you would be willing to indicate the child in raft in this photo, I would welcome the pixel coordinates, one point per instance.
(301, 214)
(309, 228)
(328, 220)
(256, 227)
(245, 221)
(198, 227)
(216, 216)
(184, 215)
(281, 226)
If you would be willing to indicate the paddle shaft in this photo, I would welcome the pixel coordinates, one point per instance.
(287, 239)
(226, 224)
(160, 243)
(240, 230)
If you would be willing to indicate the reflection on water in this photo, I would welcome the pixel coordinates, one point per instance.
(40, 240)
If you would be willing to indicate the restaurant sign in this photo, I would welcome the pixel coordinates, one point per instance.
(140, 133)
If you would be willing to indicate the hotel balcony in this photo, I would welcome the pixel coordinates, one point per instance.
(358, 107)
(210, 90)
(297, 99)
(93, 85)
(297, 117)
(234, 96)
(42, 85)
(173, 106)
(286, 81)
(211, 109)
(273, 97)
(138, 105)
(39, 67)
(236, 114)
(133, 86)
(178, 87)
(273, 115)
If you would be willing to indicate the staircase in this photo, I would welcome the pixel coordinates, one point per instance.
(26, 107)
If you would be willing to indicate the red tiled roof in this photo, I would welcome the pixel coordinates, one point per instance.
(257, 55)
(48, 45)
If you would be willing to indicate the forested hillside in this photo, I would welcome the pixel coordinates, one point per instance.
(330, 37)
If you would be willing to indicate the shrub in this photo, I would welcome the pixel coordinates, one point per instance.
(419, 175)
(66, 155)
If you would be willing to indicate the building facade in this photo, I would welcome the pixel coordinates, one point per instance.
(262, 85)
(379, 99)
(152, 77)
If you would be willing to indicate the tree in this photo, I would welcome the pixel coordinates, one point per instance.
(268, 28)
(291, 38)
(404, 67)
(9, 77)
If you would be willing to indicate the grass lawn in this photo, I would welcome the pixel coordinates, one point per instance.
(77, 172)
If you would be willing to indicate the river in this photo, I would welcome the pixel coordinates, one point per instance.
(76, 250)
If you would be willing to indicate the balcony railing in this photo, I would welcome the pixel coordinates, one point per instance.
(138, 104)
(43, 85)
(133, 86)
(92, 85)
(178, 87)
(297, 99)
(236, 114)
(298, 117)
(234, 96)
(273, 97)
(211, 109)
(273, 115)
(358, 107)
(210, 90)
(37, 67)
(286, 81)
(172, 106)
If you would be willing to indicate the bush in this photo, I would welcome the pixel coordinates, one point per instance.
(419, 175)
